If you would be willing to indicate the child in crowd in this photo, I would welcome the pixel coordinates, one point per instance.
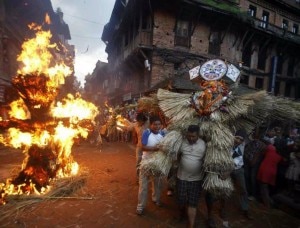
(293, 171)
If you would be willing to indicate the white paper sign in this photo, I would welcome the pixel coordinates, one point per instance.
(194, 73)
(232, 72)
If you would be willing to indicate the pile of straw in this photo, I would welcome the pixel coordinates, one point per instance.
(60, 189)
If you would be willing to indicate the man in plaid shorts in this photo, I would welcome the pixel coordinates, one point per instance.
(189, 178)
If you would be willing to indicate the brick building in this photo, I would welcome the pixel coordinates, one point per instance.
(151, 41)
(95, 87)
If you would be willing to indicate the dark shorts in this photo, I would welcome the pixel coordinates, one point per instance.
(189, 192)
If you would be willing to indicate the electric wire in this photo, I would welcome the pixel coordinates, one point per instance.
(84, 19)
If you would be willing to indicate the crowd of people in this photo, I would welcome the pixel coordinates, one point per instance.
(264, 164)
(274, 161)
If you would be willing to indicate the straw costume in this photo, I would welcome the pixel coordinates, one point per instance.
(220, 108)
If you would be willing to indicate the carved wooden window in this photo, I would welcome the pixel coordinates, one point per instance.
(247, 53)
(279, 65)
(288, 90)
(146, 21)
(291, 64)
(262, 58)
(259, 83)
(182, 34)
(214, 46)
(285, 24)
(265, 19)
(252, 11)
(295, 29)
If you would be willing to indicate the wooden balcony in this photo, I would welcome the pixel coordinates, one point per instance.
(143, 38)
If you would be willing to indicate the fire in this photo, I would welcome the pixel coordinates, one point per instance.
(36, 58)
(122, 122)
(75, 108)
(43, 129)
(19, 110)
(47, 19)
(17, 138)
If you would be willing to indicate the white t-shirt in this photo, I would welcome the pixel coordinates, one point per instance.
(150, 139)
(191, 160)
(238, 157)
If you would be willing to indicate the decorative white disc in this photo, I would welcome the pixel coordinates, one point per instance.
(213, 69)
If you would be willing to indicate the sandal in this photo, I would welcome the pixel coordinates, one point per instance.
(169, 193)
(139, 211)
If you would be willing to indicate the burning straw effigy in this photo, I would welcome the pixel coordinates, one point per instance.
(43, 128)
(220, 108)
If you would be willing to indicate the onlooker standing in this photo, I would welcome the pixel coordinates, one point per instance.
(267, 172)
(137, 128)
(252, 158)
(238, 174)
(150, 140)
(140, 125)
(189, 183)
(282, 148)
(293, 171)
(238, 177)
(270, 135)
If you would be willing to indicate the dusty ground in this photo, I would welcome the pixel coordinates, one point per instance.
(108, 198)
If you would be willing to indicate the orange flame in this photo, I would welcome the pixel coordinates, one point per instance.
(75, 108)
(37, 58)
(47, 19)
(19, 110)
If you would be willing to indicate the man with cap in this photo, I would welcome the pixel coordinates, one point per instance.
(238, 177)
(238, 174)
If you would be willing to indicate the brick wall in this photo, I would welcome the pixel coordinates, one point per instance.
(163, 32)
(200, 39)
(229, 48)
(160, 69)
